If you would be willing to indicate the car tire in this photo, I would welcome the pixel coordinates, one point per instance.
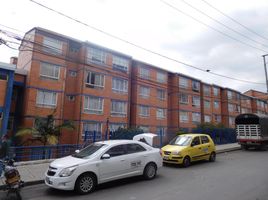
(85, 183)
(150, 171)
(186, 161)
(212, 157)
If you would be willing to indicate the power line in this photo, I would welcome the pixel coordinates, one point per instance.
(234, 20)
(224, 25)
(148, 50)
(199, 21)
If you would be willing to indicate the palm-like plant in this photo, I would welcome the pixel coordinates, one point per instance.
(45, 131)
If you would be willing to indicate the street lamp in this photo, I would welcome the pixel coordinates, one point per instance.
(265, 70)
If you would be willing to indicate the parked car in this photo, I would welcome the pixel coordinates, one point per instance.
(101, 162)
(187, 148)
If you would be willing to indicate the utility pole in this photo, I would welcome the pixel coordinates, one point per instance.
(265, 70)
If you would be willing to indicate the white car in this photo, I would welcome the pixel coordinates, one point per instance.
(101, 162)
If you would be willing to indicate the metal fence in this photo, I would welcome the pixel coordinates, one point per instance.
(219, 135)
(26, 153)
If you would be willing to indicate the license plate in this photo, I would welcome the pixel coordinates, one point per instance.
(166, 158)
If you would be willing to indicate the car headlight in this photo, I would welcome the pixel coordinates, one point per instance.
(176, 153)
(67, 171)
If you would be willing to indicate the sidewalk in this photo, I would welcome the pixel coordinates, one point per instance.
(33, 172)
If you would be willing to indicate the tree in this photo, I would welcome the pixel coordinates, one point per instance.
(44, 131)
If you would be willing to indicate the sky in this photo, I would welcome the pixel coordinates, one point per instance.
(188, 31)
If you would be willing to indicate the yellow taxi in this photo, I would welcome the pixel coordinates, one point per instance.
(187, 148)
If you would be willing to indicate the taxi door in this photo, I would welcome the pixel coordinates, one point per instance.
(196, 149)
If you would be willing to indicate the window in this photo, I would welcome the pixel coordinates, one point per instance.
(91, 130)
(119, 108)
(115, 127)
(195, 86)
(229, 94)
(134, 148)
(160, 113)
(145, 129)
(196, 117)
(120, 64)
(231, 121)
(260, 103)
(118, 150)
(184, 116)
(144, 111)
(161, 94)
(95, 55)
(245, 110)
(196, 141)
(144, 73)
(184, 98)
(120, 85)
(183, 82)
(237, 108)
(217, 118)
(204, 139)
(216, 91)
(206, 90)
(196, 101)
(71, 97)
(46, 99)
(207, 104)
(237, 96)
(216, 104)
(161, 77)
(94, 80)
(51, 45)
(72, 73)
(48, 70)
(207, 118)
(144, 91)
(231, 107)
(93, 105)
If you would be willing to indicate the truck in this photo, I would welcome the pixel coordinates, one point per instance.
(252, 130)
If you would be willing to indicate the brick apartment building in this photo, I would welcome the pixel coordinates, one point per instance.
(101, 89)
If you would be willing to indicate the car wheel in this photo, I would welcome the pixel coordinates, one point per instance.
(186, 161)
(150, 171)
(212, 157)
(85, 183)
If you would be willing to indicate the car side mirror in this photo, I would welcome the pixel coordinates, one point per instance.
(77, 151)
(106, 156)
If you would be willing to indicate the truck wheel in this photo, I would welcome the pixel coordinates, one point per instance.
(244, 147)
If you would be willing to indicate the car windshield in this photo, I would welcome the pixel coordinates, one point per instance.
(181, 140)
(88, 151)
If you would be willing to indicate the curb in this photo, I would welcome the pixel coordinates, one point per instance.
(228, 150)
(29, 183)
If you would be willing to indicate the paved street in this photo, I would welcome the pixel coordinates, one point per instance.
(235, 175)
